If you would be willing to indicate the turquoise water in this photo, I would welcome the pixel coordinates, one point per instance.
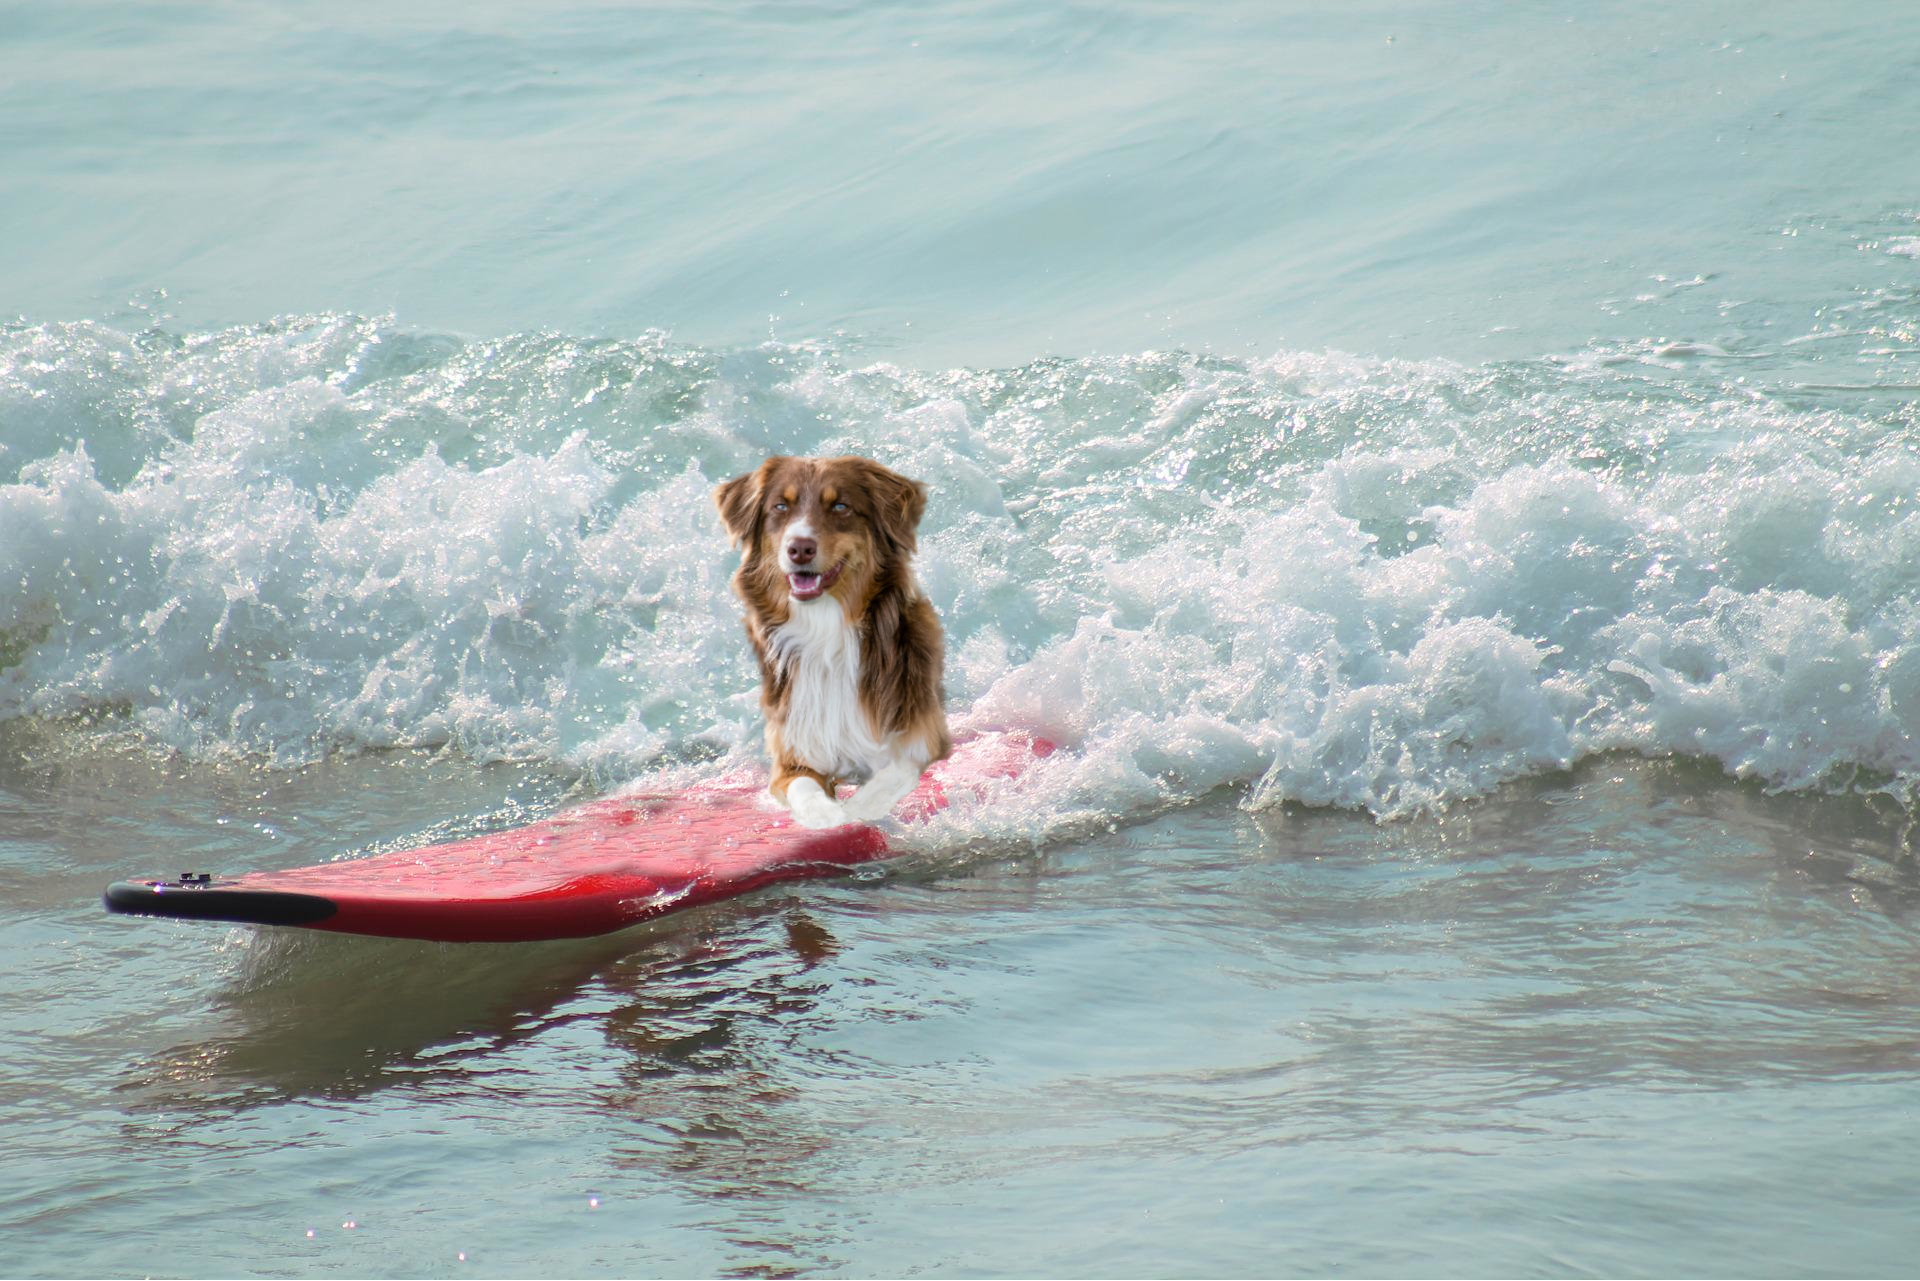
(1449, 476)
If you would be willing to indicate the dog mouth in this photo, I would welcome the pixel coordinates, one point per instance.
(807, 585)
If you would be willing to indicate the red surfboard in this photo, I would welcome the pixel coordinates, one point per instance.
(590, 870)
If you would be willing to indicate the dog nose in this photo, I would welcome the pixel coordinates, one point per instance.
(801, 551)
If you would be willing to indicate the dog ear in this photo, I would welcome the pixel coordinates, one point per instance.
(913, 505)
(739, 503)
(900, 504)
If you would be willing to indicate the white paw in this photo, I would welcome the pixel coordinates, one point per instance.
(818, 811)
(865, 805)
(811, 805)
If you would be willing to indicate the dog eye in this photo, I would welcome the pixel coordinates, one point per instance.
(779, 507)
(841, 508)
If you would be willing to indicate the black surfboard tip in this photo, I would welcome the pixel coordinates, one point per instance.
(200, 898)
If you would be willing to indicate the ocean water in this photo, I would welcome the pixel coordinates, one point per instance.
(1449, 475)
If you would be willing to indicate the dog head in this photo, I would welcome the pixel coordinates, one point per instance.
(814, 528)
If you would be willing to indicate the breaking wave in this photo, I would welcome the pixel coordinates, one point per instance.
(1319, 579)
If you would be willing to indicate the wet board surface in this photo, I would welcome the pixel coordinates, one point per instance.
(589, 870)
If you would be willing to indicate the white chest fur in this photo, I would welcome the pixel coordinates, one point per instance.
(819, 652)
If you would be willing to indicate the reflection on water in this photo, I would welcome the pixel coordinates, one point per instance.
(682, 1014)
(339, 1017)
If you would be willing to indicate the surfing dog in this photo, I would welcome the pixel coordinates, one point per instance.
(849, 646)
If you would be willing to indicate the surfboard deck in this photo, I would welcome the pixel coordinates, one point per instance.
(590, 870)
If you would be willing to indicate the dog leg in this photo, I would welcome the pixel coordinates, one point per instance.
(879, 794)
(811, 805)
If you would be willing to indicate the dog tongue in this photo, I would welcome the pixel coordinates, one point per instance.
(805, 584)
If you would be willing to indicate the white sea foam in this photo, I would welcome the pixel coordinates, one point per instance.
(1312, 578)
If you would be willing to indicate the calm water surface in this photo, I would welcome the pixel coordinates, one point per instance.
(1631, 1015)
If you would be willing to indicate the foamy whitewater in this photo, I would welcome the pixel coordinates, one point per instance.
(1314, 578)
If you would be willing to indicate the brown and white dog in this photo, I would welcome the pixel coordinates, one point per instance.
(850, 648)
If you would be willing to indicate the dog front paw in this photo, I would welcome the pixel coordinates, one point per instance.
(818, 812)
(865, 805)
